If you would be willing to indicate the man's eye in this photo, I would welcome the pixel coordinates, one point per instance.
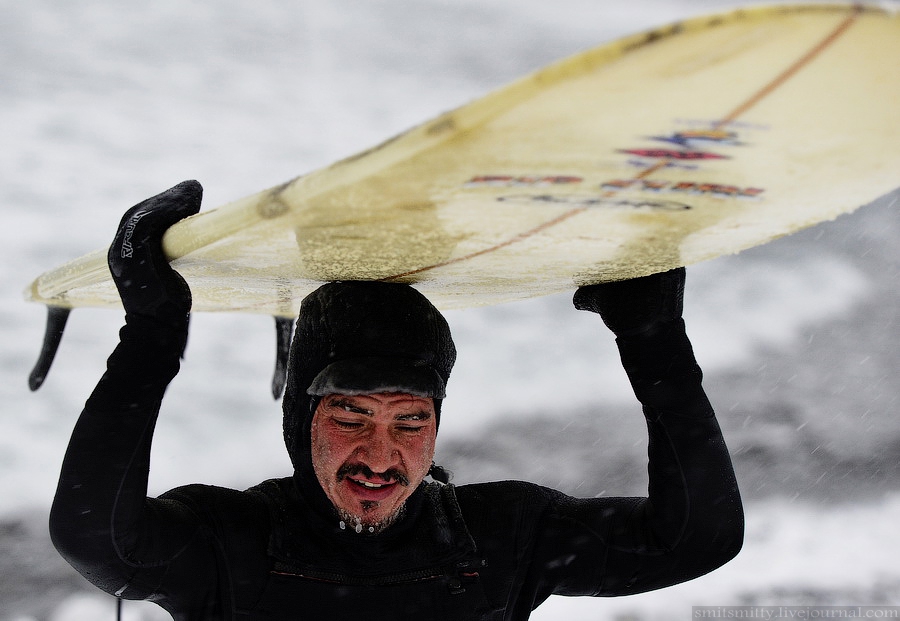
(346, 424)
(410, 428)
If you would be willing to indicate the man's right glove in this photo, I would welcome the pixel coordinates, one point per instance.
(637, 306)
(645, 315)
(147, 284)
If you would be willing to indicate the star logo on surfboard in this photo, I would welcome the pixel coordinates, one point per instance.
(691, 148)
(694, 138)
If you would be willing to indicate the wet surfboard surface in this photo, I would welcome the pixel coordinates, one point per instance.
(666, 148)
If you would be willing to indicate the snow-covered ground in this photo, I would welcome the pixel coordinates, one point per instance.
(103, 103)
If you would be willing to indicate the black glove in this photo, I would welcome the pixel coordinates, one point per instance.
(645, 315)
(638, 306)
(148, 286)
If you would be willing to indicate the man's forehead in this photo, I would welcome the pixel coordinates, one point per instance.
(384, 397)
(393, 400)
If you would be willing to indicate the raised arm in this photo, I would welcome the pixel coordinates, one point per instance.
(102, 521)
(692, 520)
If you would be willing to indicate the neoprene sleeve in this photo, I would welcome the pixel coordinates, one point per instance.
(99, 518)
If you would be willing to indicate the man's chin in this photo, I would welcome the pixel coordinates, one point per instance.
(370, 518)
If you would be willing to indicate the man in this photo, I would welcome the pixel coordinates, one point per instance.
(356, 532)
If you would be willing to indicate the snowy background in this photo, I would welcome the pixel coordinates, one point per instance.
(105, 102)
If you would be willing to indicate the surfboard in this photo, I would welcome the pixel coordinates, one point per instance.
(662, 149)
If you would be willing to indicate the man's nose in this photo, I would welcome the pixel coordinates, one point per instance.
(380, 452)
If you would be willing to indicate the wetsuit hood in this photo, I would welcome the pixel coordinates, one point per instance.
(360, 337)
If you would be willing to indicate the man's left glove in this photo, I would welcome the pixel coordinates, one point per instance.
(639, 306)
(147, 284)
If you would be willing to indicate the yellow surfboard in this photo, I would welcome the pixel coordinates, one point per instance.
(662, 149)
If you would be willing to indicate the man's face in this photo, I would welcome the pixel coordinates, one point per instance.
(370, 452)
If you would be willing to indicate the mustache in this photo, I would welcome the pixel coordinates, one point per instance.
(388, 476)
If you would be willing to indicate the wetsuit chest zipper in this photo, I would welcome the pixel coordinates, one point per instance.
(457, 577)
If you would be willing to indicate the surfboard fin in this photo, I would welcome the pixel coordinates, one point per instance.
(57, 316)
(284, 327)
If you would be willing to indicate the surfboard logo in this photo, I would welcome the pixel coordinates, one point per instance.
(674, 154)
(694, 138)
(689, 155)
(638, 162)
(692, 147)
(576, 201)
(684, 187)
(512, 181)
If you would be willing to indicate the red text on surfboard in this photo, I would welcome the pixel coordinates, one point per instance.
(674, 154)
(685, 187)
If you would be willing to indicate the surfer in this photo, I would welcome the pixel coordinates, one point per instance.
(358, 532)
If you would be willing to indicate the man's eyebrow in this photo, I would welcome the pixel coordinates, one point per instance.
(421, 415)
(349, 406)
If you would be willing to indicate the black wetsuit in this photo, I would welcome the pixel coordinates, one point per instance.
(480, 551)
